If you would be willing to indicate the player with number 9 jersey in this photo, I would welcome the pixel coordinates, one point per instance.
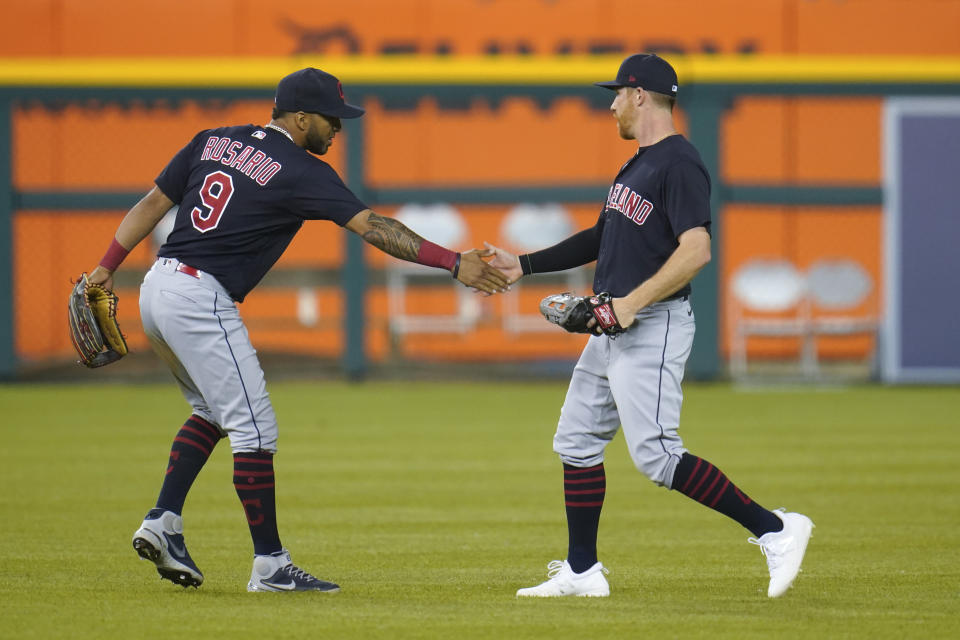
(243, 193)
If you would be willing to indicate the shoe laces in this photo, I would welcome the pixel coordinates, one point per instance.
(774, 549)
(773, 555)
(298, 574)
(554, 568)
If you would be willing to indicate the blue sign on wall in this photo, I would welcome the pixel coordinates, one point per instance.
(920, 342)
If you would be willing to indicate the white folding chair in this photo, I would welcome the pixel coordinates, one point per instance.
(838, 287)
(441, 224)
(530, 227)
(769, 300)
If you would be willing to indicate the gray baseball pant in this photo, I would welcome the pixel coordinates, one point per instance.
(632, 379)
(194, 326)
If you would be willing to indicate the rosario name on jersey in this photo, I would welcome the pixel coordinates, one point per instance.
(661, 192)
(244, 192)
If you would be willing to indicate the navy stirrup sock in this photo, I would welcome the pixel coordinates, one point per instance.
(191, 448)
(705, 483)
(583, 490)
(254, 481)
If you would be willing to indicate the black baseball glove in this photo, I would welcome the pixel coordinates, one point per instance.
(574, 313)
(92, 315)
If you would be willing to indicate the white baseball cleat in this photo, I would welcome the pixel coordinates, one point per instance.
(564, 582)
(160, 540)
(784, 550)
(276, 572)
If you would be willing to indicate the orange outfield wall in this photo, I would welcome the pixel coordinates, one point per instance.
(764, 140)
(466, 27)
(113, 148)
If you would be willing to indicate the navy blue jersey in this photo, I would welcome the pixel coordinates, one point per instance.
(659, 193)
(244, 192)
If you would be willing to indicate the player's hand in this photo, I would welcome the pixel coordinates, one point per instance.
(475, 272)
(624, 311)
(506, 262)
(102, 277)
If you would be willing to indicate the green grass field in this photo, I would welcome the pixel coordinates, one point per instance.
(431, 503)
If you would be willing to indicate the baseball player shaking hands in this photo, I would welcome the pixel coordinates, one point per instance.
(650, 240)
(243, 193)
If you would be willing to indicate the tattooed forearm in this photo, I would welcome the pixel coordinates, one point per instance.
(393, 237)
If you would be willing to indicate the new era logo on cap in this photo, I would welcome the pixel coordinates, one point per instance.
(646, 70)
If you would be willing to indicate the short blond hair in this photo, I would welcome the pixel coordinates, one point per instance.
(662, 100)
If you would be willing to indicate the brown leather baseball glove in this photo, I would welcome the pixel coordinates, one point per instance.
(92, 314)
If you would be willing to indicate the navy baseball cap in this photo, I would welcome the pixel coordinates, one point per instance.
(314, 91)
(646, 70)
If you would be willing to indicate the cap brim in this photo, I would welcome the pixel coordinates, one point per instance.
(609, 84)
(346, 111)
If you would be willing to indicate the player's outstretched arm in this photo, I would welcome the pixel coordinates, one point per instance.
(396, 239)
(135, 226)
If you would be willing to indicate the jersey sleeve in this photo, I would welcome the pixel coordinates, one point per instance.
(321, 195)
(173, 179)
(687, 197)
(577, 250)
